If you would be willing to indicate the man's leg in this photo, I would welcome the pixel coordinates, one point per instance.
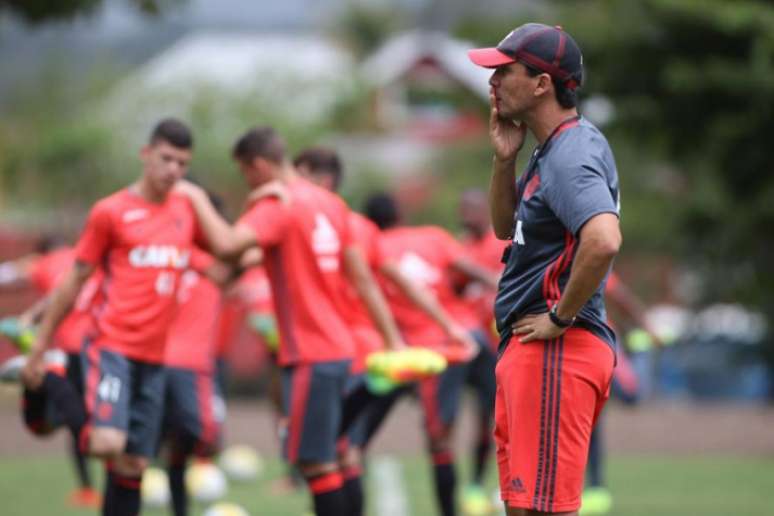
(481, 378)
(86, 495)
(440, 396)
(145, 411)
(549, 396)
(195, 411)
(312, 400)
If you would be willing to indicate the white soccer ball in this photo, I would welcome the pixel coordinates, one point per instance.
(226, 509)
(154, 489)
(241, 463)
(205, 482)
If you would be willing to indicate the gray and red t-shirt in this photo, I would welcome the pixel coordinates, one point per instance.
(570, 178)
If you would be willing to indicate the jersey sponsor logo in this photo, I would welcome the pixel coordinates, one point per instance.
(518, 234)
(159, 256)
(418, 270)
(325, 243)
(134, 215)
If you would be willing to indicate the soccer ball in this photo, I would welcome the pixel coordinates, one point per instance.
(241, 463)
(205, 482)
(154, 489)
(226, 509)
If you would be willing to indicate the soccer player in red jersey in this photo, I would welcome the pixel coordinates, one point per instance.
(365, 410)
(485, 249)
(194, 410)
(305, 236)
(427, 256)
(45, 271)
(141, 237)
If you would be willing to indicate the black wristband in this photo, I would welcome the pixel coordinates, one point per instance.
(558, 321)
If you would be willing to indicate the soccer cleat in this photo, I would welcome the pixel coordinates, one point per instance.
(475, 502)
(10, 370)
(85, 497)
(596, 500)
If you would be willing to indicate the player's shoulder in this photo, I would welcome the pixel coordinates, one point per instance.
(113, 205)
(580, 146)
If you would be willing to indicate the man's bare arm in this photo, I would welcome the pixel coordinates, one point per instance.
(476, 272)
(363, 280)
(599, 242)
(225, 241)
(61, 302)
(426, 301)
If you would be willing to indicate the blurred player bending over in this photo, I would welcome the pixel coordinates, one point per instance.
(428, 255)
(45, 270)
(557, 351)
(194, 410)
(483, 247)
(367, 411)
(142, 236)
(309, 257)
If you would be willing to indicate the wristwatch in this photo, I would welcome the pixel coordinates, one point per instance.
(558, 321)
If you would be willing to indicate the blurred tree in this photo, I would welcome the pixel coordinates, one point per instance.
(41, 11)
(364, 27)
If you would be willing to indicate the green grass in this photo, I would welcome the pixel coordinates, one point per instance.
(641, 486)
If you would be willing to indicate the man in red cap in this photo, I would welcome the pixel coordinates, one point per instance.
(556, 349)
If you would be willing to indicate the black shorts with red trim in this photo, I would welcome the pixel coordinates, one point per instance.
(124, 394)
(194, 411)
(440, 397)
(38, 412)
(312, 399)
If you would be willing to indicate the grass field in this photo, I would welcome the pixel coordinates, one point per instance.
(641, 486)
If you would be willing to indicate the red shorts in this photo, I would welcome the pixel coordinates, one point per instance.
(549, 395)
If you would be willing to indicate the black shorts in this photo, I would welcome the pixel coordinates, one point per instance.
(440, 397)
(194, 411)
(124, 394)
(312, 398)
(40, 415)
(481, 375)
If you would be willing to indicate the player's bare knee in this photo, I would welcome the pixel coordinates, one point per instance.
(130, 465)
(107, 442)
(350, 458)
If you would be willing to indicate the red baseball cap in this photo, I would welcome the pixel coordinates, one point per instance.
(545, 48)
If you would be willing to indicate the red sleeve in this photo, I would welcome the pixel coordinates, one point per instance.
(268, 218)
(453, 250)
(612, 282)
(37, 274)
(95, 238)
(200, 260)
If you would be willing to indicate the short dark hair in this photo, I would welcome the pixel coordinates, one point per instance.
(321, 160)
(173, 132)
(382, 209)
(566, 97)
(263, 142)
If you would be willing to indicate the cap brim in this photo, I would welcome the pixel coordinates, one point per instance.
(489, 57)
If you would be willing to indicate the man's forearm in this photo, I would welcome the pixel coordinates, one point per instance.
(588, 270)
(420, 297)
(217, 231)
(368, 290)
(502, 197)
(59, 305)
